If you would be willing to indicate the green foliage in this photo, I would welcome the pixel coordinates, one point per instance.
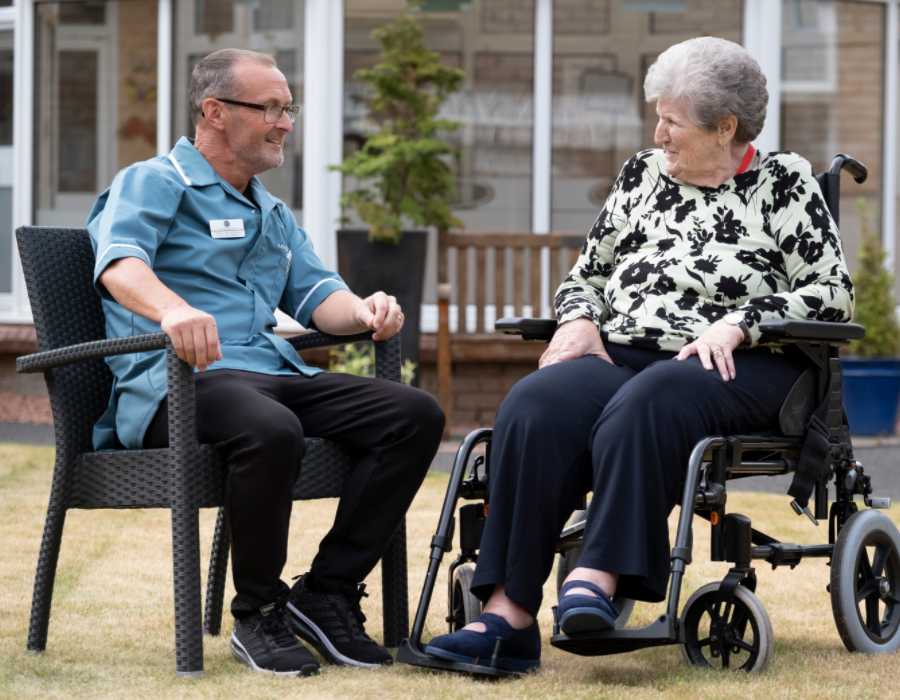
(359, 359)
(402, 167)
(875, 305)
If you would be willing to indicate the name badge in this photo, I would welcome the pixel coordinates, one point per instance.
(227, 228)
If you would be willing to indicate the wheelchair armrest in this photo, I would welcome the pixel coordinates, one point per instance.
(40, 361)
(387, 352)
(793, 331)
(528, 328)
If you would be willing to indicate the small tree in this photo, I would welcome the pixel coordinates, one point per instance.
(875, 305)
(402, 167)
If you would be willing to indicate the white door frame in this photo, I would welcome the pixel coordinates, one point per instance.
(7, 162)
(23, 84)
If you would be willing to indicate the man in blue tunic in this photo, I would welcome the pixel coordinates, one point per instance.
(193, 243)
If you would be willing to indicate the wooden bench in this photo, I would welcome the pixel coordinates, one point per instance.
(485, 276)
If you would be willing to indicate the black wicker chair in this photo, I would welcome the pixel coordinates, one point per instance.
(58, 265)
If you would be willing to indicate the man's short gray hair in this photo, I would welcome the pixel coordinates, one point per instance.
(213, 76)
(716, 78)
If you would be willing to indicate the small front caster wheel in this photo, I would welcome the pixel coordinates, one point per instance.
(729, 635)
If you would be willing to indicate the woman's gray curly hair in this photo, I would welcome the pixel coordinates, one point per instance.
(716, 78)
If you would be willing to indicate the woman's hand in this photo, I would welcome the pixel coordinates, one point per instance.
(716, 345)
(572, 340)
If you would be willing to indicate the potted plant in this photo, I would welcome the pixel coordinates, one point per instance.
(359, 359)
(872, 371)
(401, 171)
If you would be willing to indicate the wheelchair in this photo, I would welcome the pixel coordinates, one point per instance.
(723, 624)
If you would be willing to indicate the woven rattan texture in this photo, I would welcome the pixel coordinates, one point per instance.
(58, 266)
(135, 479)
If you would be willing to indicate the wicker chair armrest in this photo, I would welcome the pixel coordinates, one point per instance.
(40, 361)
(316, 339)
(387, 352)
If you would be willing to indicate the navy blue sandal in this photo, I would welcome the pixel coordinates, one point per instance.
(579, 613)
(500, 646)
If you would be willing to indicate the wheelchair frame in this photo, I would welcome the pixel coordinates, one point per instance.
(713, 461)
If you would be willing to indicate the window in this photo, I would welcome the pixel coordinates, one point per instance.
(833, 98)
(601, 52)
(274, 27)
(492, 40)
(94, 101)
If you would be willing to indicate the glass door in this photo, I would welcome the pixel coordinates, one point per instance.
(6, 160)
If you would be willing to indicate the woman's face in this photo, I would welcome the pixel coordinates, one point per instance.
(692, 152)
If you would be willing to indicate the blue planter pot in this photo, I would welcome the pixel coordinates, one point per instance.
(871, 393)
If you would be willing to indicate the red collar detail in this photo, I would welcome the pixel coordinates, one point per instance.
(748, 157)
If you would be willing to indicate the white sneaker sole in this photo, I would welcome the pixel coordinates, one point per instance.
(239, 652)
(310, 631)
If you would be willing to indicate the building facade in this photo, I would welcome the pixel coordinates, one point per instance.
(551, 104)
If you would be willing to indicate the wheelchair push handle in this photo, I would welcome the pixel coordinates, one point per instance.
(844, 162)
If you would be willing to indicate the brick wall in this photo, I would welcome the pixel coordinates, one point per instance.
(478, 388)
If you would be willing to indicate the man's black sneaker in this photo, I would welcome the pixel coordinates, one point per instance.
(333, 623)
(264, 642)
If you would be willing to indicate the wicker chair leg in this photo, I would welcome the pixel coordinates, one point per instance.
(44, 577)
(394, 589)
(186, 564)
(215, 580)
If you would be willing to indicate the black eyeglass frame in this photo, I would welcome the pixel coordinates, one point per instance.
(291, 110)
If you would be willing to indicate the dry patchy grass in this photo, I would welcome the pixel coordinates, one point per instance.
(111, 632)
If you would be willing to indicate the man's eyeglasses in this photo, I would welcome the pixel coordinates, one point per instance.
(271, 112)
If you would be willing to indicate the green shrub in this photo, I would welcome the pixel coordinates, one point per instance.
(875, 306)
(359, 359)
(402, 167)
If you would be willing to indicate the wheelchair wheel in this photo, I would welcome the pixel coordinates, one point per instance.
(737, 635)
(464, 607)
(865, 583)
(568, 560)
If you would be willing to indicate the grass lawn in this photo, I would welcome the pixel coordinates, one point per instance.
(111, 631)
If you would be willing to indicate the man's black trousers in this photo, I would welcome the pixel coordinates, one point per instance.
(624, 431)
(258, 423)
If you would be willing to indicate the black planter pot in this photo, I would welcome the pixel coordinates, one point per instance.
(397, 269)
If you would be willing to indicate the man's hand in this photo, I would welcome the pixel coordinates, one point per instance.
(572, 340)
(715, 345)
(193, 334)
(381, 314)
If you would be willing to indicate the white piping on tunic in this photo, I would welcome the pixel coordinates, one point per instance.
(310, 293)
(187, 180)
(125, 245)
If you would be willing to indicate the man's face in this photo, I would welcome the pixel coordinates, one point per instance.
(255, 144)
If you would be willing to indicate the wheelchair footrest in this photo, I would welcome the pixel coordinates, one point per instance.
(407, 654)
(617, 641)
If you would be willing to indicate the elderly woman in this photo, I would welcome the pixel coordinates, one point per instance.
(700, 240)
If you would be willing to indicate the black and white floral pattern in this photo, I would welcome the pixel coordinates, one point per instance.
(665, 259)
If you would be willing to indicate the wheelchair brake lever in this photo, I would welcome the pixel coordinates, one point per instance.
(803, 510)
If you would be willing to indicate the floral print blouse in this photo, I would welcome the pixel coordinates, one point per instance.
(666, 259)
